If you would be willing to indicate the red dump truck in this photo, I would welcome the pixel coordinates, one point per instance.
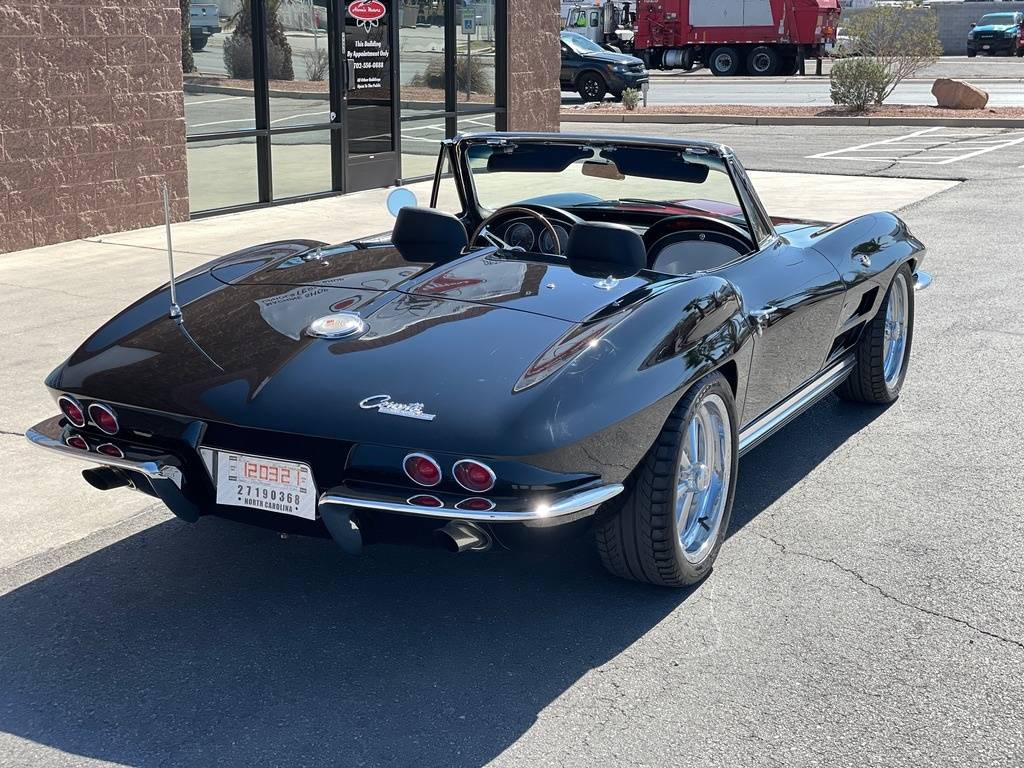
(730, 37)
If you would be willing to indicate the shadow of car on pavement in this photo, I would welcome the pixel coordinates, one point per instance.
(219, 643)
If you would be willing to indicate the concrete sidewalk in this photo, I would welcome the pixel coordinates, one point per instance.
(54, 297)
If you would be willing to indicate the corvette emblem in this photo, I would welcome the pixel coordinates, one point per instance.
(384, 404)
(340, 325)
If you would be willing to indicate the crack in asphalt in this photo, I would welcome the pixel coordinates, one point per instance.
(786, 550)
(12, 434)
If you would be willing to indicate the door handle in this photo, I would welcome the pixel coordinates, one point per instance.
(350, 73)
(761, 319)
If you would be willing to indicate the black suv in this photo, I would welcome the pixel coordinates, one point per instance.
(592, 71)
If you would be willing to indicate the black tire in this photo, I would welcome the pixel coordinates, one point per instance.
(763, 61)
(971, 54)
(639, 539)
(198, 43)
(591, 86)
(789, 65)
(725, 61)
(617, 96)
(1020, 53)
(867, 383)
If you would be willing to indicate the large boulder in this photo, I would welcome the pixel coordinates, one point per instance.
(956, 94)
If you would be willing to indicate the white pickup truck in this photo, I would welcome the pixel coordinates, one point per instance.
(204, 22)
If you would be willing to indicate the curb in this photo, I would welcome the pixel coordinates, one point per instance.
(949, 122)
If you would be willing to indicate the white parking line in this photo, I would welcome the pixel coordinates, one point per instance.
(925, 147)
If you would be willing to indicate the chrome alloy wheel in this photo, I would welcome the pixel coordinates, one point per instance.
(897, 315)
(702, 485)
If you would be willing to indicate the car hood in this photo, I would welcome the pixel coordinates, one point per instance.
(610, 57)
(994, 28)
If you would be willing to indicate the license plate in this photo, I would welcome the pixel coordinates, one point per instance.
(258, 482)
(986, 47)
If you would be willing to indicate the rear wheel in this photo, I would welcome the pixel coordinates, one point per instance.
(198, 43)
(724, 61)
(672, 521)
(884, 349)
(591, 87)
(763, 61)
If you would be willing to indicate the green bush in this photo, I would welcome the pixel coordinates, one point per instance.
(631, 99)
(858, 83)
(903, 41)
(316, 64)
(474, 72)
(238, 59)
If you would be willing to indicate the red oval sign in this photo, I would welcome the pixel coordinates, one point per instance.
(367, 10)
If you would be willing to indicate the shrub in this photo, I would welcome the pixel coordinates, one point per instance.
(631, 99)
(474, 72)
(858, 83)
(316, 64)
(238, 59)
(188, 64)
(902, 40)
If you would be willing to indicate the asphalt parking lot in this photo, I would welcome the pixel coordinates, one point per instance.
(865, 611)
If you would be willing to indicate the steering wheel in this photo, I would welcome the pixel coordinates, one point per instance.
(517, 211)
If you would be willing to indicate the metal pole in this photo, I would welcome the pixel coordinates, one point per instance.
(175, 309)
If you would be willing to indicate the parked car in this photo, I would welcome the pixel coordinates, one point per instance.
(997, 33)
(590, 345)
(845, 44)
(204, 22)
(593, 71)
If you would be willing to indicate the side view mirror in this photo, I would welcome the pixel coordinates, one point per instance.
(973, 26)
(399, 198)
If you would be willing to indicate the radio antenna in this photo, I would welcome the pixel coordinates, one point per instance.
(175, 309)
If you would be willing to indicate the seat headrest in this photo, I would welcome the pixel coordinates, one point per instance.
(605, 250)
(426, 234)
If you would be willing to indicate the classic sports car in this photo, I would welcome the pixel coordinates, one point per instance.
(590, 342)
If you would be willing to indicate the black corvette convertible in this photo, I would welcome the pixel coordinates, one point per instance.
(589, 342)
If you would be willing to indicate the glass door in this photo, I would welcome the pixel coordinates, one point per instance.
(366, 94)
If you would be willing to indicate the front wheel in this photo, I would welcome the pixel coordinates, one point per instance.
(591, 87)
(198, 43)
(971, 54)
(672, 520)
(884, 350)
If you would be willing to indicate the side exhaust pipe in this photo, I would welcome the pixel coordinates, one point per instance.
(105, 478)
(463, 536)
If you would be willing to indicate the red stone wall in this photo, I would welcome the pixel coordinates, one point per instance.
(91, 118)
(533, 66)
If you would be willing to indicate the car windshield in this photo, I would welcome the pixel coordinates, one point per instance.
(567, 175)
(997, 19)
(580, 44)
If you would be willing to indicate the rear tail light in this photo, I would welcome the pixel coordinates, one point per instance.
(474, 476)
(77, 441)
(423, 500)
(422, 469)
(72, 410)
(109, 449)
(104, 418)
(476, 504)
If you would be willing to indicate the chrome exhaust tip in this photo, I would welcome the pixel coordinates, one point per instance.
(463, 536)
(106, 478)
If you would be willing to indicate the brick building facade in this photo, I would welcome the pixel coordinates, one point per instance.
(93, 110)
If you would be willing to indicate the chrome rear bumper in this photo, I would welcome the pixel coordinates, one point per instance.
(559, 509)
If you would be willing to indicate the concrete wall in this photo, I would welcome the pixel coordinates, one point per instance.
(533, 66)
(91, 118)
(955, 21)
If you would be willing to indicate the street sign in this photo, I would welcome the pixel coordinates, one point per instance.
(468, 25)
